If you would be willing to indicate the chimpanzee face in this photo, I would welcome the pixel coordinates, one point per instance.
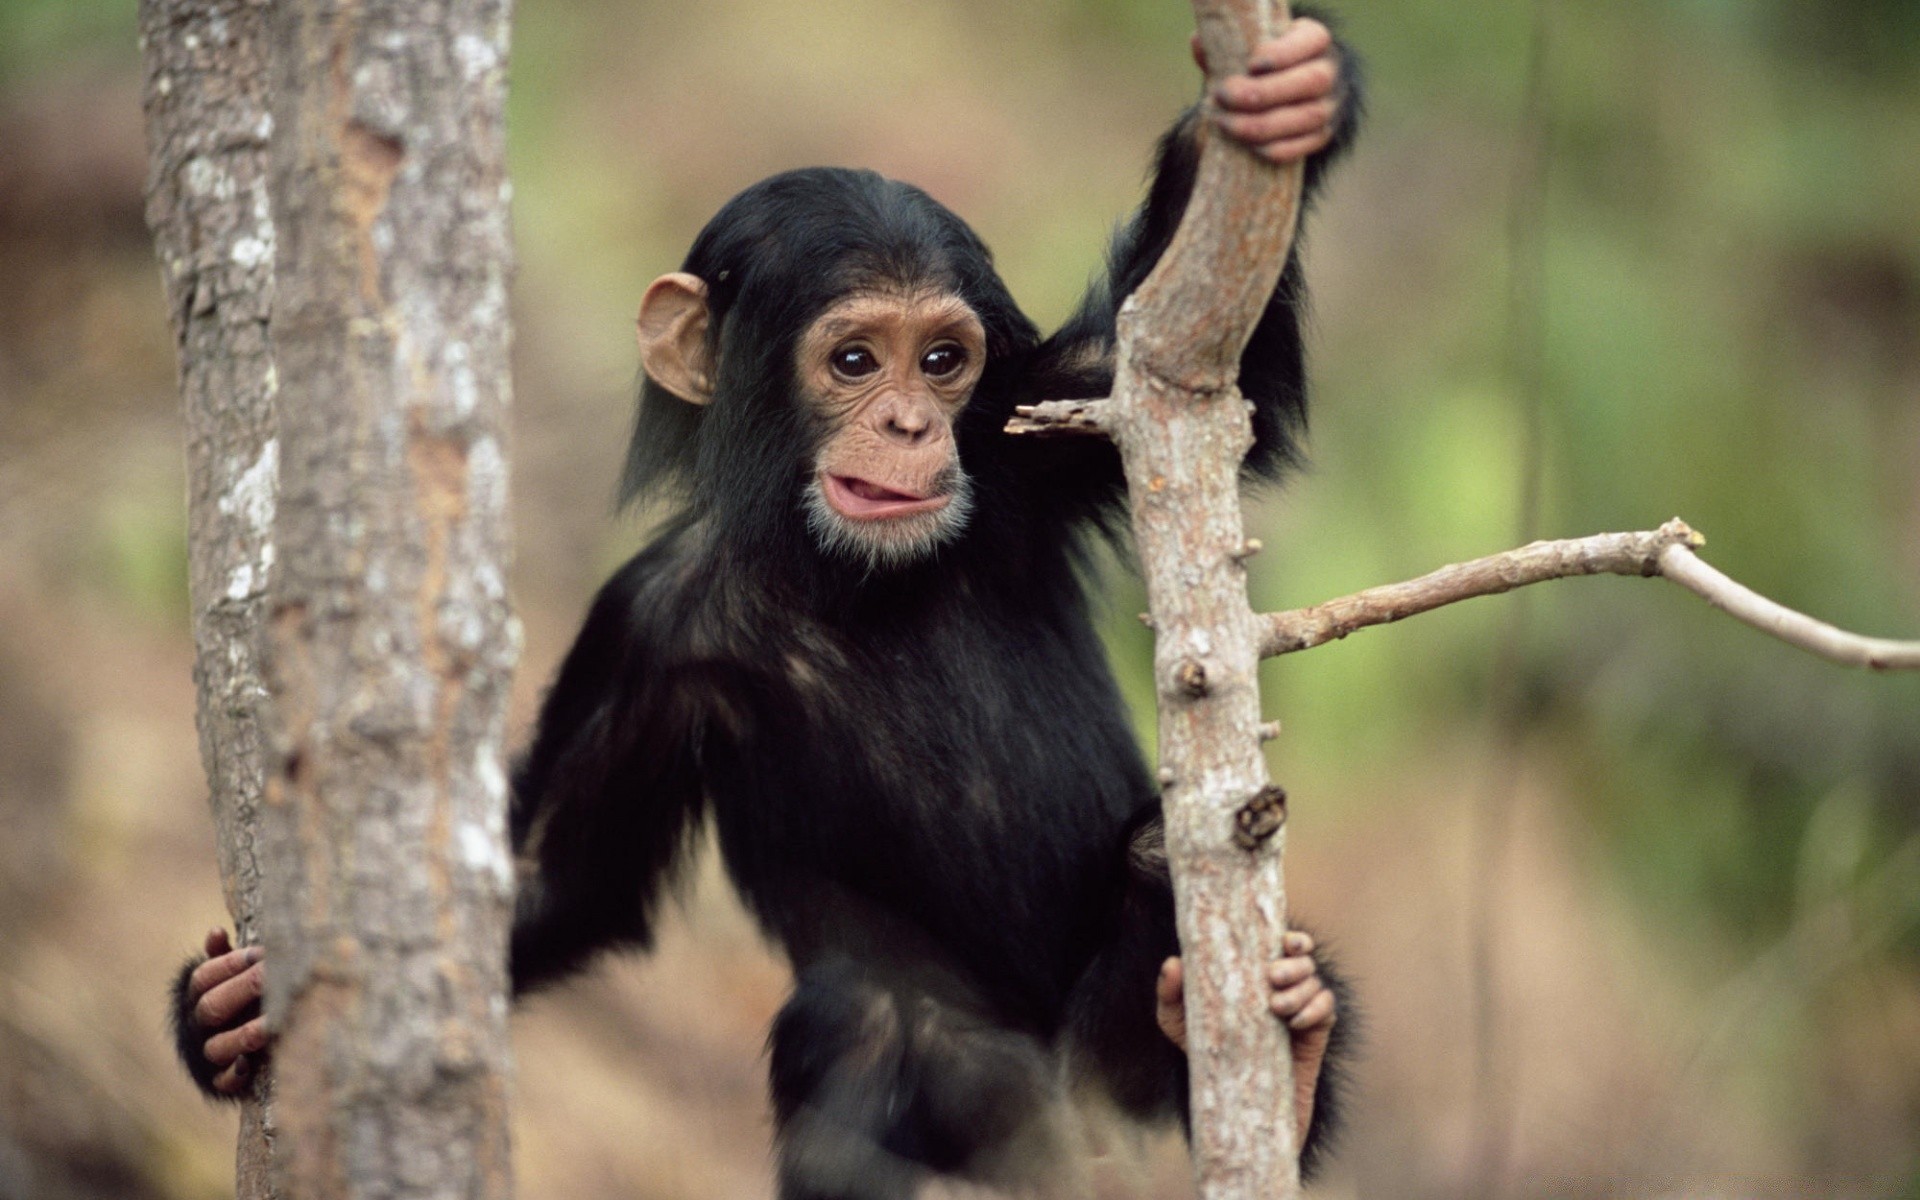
(884, 372)
(888, 371)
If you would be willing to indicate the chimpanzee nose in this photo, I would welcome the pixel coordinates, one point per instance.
(908, 424)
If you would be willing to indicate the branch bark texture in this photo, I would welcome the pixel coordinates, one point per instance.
(208, 128)
(1183, 430)
(392, 639)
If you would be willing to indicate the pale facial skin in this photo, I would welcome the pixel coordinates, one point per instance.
(1283, 110)
(890, 370)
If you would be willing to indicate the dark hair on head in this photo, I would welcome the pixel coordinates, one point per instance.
(773, 258)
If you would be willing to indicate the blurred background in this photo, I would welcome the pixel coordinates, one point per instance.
(1631, 892)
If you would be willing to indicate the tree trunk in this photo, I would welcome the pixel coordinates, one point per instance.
(207, 128)
(386, 870)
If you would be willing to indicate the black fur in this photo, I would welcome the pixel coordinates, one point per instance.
(189, 1040)
(923, 779)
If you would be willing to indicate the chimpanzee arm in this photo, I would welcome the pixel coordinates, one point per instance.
(605, 802)
(1077, 361)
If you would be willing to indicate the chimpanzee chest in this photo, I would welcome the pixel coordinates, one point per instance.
(975, 782)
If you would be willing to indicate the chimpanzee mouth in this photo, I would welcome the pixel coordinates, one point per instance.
(864, 500)
(881, 527)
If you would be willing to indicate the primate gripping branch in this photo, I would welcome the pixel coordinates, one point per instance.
(1183, 431)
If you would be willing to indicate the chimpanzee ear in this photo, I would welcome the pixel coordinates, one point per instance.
(673, 336)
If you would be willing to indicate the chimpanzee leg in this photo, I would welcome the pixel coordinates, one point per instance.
(880, 1088)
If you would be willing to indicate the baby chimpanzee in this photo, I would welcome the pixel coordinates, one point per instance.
(862, 647)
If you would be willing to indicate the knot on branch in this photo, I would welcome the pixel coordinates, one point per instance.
(1201, 383)
(1674, 533)
(1261, 817)
(1190, 676)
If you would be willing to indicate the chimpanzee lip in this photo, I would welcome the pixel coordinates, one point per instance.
(864, 500)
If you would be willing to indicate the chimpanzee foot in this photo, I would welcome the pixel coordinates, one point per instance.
(1299, 996)
(219, 1018)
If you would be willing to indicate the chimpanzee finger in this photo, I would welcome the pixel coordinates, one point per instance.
(1318, 1012)
(1294, 149)
(1296, 943)
(218, 942)
(223, 1049)
(1262, 129)
(1170, 1007)
(1305, 38)
(1169, 987)
(1289, 971)
(220, 1005)
(1288, 1002)
(216, 971)
(235, 1079)
(1314, 80)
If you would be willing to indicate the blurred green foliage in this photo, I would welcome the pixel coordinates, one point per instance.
(1732, 297)
(46, 34)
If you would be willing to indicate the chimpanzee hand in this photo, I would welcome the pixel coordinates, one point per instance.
(1300, 997)
(220, 1033)
(1284, 109)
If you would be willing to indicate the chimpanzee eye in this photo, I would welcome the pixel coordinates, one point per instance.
(852, 362)
(944, 360)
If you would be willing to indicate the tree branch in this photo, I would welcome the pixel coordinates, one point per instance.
(1796, 629)
(1183, 430)
(1057, 418)
(1666, 552)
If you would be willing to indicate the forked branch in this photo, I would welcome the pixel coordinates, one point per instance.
(1667, 552)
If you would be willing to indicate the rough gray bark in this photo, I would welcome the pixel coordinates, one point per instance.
(207, 129)
(384, 845)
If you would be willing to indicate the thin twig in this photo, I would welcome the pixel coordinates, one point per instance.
(1667, 551)
(1056, 418)
(1797, 629)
